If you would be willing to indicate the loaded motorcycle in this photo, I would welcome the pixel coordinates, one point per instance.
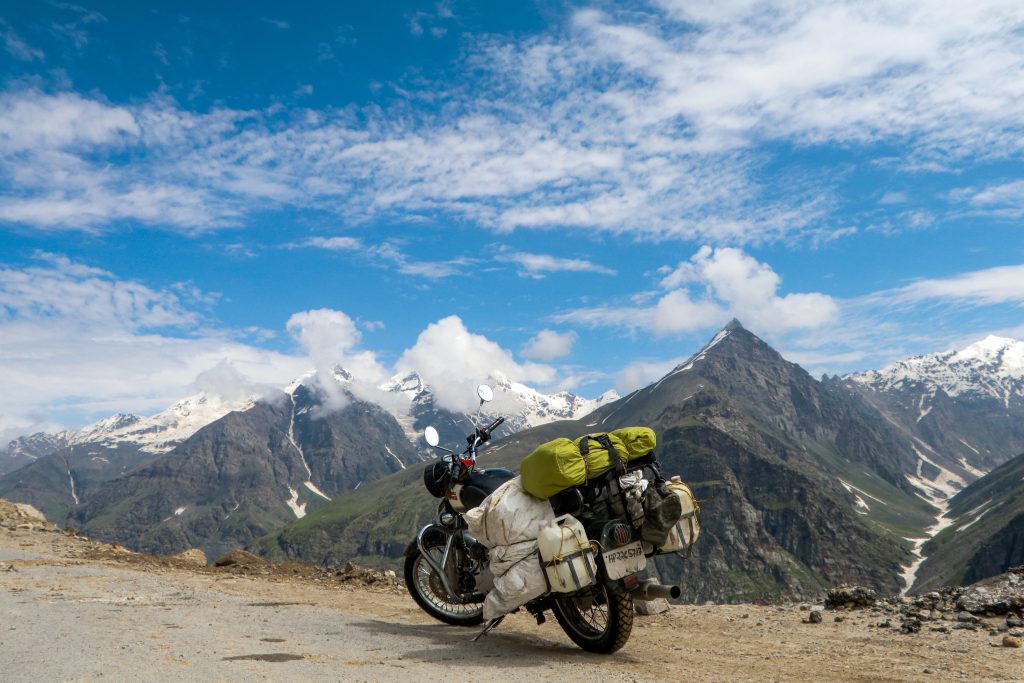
(447, 570)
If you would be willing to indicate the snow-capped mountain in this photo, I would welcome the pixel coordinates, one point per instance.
(521, 406)
(161, 432)
(992, 367)
(27, 449)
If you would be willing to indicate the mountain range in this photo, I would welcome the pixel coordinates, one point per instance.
(805, 483)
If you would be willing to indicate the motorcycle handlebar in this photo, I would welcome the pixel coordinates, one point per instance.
(494, 425)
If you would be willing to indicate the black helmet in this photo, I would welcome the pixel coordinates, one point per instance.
(435, 478)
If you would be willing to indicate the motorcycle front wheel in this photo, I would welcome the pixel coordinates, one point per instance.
(429, 592)
(599, 623)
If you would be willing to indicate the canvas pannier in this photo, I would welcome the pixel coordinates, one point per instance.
(560, 464)
(683, 533)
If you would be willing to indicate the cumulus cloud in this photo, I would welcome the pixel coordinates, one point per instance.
(331, 339)
(548, 345)
(728, 283)
(453, 361)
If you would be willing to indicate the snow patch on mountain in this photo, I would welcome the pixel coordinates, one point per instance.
(992, 367)
(938, 491)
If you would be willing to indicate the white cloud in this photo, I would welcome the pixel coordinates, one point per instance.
(334, 243)
(1004, 200)
(331, 338)
(388, 254)
(548, 345)
(453, 361)
(653, 124)
(537, 265)
(730, 283)
(999, 285)
(79, 343)
(31, 120)
(61, 289)
(640, 373)
(17, 47)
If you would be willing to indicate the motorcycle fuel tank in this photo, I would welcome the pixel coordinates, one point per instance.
(481, 483)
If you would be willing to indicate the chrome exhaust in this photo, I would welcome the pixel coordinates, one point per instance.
(652, 590)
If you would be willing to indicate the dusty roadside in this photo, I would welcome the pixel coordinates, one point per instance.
(73, 609)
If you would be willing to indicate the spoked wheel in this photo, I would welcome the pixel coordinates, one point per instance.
(599, 623)
(429, 592)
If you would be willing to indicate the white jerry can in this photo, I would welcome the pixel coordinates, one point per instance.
(567, 555)
(684, 534)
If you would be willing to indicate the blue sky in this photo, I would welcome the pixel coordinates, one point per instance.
(575, 194)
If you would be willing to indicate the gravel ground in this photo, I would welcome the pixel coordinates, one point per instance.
(70, 616)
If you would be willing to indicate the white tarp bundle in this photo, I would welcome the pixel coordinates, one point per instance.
(508, 522)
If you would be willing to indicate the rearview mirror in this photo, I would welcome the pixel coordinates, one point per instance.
(485, 393)
(431, 435)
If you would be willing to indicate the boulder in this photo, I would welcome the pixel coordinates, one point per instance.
(848, 597)
(240, 558)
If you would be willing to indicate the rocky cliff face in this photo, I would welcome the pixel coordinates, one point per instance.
(247, 474)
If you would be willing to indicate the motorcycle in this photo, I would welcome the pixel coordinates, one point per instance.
(447, 571)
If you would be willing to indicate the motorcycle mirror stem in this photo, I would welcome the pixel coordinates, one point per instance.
(434, 439)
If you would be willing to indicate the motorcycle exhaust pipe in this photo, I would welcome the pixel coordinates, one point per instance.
(651, 590)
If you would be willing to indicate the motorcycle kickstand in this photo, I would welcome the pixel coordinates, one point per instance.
(488, 628)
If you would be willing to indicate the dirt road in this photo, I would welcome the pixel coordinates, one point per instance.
(71, 613)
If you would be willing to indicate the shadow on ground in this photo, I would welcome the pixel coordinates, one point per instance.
(512, 648)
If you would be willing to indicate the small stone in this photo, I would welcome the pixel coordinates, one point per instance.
(814, 617)
(1012, 641)
(967, 617)
(1014, 622)
(884, 624)
(839, 619)
(910, 626)
(993, 632)
(651, 607)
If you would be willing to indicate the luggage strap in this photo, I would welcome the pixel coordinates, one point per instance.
(603, 439)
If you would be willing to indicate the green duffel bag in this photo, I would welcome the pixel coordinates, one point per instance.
(560, 464)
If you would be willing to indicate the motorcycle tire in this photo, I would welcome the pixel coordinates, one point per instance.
(428, 591)
(603, 627)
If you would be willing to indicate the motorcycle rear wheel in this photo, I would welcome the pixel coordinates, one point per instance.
(428, 591)
(600, 624)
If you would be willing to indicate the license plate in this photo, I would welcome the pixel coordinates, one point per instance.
(629, 559)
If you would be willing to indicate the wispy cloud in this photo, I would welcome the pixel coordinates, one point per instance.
(991, 286)
(276, 23)
(1004, 200)
(388, 254)
(653, 124)
(17, 47)
(538, 265)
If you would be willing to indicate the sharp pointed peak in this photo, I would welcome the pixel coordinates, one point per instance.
(733, 325)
